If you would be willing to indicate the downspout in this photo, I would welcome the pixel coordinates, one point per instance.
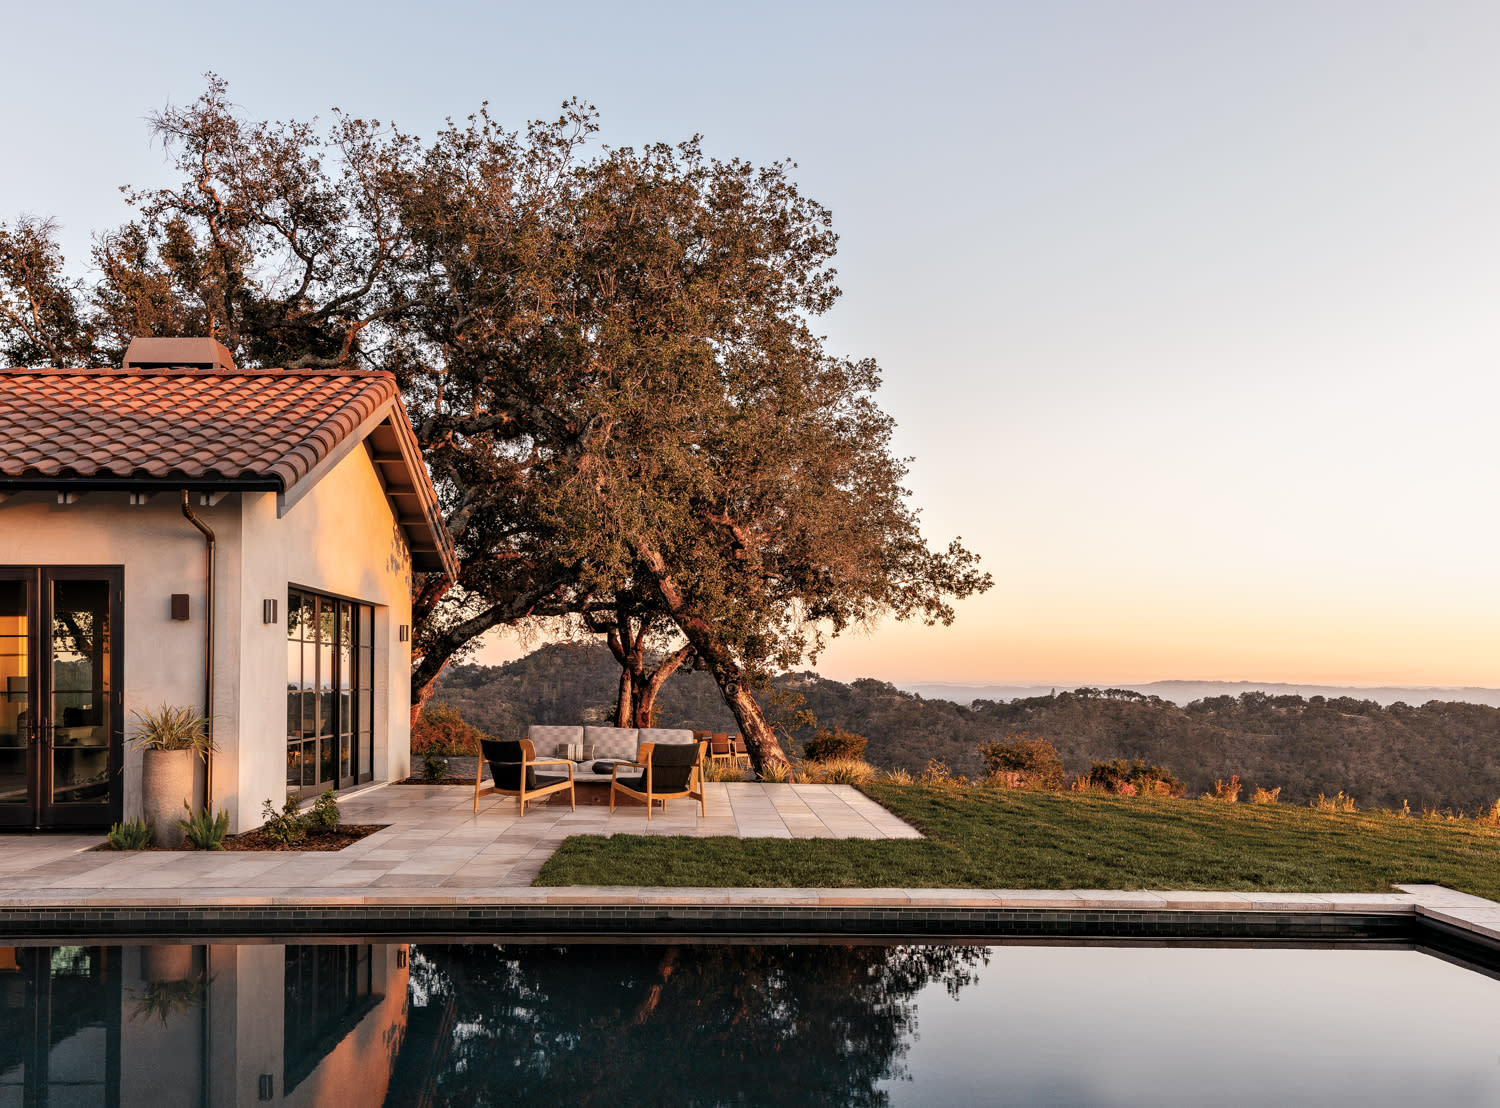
(208, 648)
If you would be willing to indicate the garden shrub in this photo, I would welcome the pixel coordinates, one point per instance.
(323, 818)
(434, 766)
(1019, 762)
(442, 730)
(717, 769)
(202, 829)
(1227, 791)
(1127, 778)
(285, 826)
(776, 772)
(938, 773)
(133, 834)
(831, 743)
(1271, 796)
(840, 771)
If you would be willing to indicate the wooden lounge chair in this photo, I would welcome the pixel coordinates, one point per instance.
(512, 771)
(670, 770)
(720, 748)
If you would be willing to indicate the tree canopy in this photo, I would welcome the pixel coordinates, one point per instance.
(606, 352)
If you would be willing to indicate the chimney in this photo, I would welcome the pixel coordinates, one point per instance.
(209, 354)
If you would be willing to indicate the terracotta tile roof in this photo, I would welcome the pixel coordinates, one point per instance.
(180, 423)
(247, 429)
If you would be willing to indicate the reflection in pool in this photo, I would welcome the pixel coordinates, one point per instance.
(720, 1023)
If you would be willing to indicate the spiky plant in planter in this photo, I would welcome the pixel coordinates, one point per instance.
(169, 737)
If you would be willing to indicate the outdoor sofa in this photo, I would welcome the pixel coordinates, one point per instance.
(587, 746)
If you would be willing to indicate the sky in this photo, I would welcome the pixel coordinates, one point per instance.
(1186, 311)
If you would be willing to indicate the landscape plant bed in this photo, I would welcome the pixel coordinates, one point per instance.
(989, 838)
(449, 780)
(259, 839)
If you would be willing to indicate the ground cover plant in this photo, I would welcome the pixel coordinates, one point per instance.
(980, 837)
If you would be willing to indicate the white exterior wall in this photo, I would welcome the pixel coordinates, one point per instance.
(162, 554)
(340, 538)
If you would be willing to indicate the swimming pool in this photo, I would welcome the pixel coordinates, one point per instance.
(675, 1021)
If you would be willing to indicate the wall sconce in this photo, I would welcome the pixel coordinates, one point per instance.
(405, 633)
(180, 609)
(268, 612)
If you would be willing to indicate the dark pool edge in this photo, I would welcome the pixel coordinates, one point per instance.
(627, 921)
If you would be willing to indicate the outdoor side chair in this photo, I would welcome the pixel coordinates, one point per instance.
(720, 748)
(513, 772)
(671, 770)
(740, 747)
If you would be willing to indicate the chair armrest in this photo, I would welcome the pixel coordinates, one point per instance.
(614, 772)
(542, 762)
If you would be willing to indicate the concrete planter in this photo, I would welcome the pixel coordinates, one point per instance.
(166, 785)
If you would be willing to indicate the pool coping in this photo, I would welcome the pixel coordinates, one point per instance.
(1418, 914)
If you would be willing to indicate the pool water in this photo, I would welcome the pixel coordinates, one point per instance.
(681, 1022)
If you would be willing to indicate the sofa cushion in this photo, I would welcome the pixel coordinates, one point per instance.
(665, 736)
(611, 742)
(546, 738)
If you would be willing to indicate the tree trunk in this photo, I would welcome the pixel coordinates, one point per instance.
(625, 703)
(421, 692)
(756, 733)
(760, 740)
(645, 700)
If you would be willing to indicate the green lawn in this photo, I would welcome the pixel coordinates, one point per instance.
(987, 838)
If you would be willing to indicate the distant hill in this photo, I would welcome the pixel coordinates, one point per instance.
(1431, 752)
(1185, 692)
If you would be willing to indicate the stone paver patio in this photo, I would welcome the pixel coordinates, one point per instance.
(435, 846)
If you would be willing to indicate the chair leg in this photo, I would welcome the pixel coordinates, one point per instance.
(572, 799)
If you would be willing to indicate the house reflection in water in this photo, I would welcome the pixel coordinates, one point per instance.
(173, 1025)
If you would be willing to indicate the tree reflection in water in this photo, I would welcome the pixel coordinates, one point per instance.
(681, 1024)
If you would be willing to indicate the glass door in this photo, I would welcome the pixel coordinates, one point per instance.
(329, 695)
(17, 720)
(61, 736)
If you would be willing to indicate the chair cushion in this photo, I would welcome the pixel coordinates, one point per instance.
(611, 742)
(665, 736)
(637, 784)
(542, 780)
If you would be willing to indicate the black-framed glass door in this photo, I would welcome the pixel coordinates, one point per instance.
(61, 732)
(329, 695)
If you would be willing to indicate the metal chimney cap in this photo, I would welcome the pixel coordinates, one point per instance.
(204, 353)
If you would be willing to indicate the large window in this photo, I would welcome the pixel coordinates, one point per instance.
(329, 695)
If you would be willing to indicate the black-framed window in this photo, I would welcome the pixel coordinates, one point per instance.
(329, 691)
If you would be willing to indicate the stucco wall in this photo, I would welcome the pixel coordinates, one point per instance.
(340, 538)
(162, 554)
